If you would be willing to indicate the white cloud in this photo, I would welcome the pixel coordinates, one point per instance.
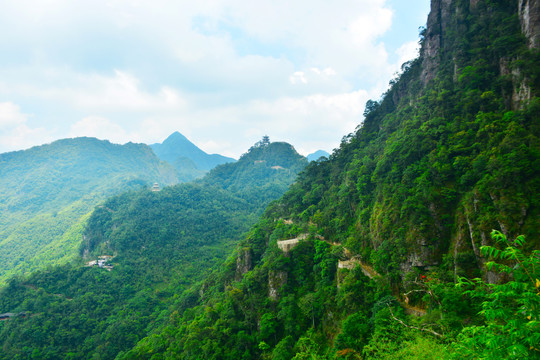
(342, 35)
(10, 116)
(298, 77)
(223, 72)
(407, 52)
(325, 72)
(329, 71)
(101, 128)
(310, 122)
(119, 92)
(213, 147)
(15, 134)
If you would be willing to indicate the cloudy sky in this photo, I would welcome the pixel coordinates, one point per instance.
(222, 72)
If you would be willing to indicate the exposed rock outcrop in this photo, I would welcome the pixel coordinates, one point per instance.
(364, 267)
(443, 12)
(244, 263)
(529, 16)
(276, 279)
(437, 24)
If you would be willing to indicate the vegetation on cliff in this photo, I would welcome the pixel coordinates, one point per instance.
(392, 252)
(449, 153)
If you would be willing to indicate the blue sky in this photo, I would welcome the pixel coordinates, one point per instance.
(222, 72)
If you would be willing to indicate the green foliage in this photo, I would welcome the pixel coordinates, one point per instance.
(450, 152)
(163, 243)
(510, 309)
(417, 347)
(354, 333)
(47, 192)
(267, 168)
(436, 164)
(284, 349)
(408, 198)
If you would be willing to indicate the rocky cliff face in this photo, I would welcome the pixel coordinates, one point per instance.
(445, 13)
(529, 16)
(441, 54)
(437, 23)
(244, 263)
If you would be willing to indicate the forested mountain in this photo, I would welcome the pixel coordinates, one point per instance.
(418, 238)
(189, 161)
(46, 191)
(140, 251)
(261, 174)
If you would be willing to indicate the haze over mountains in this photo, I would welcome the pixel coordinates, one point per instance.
(317, 155)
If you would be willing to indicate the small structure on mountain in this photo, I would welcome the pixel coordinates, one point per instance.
(288, 245)
(102, 262)
(156, 187)
(8, 316)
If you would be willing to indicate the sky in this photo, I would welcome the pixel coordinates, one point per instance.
(222, 72)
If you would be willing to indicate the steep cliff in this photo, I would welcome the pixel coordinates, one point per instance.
(361, 257)
(451, 152)
(529, 16)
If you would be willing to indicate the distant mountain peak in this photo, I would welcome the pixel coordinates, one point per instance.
(180, 152)
(317, 155)
(176, 136)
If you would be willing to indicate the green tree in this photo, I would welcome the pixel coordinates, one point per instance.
(354, 333)
(510, 309)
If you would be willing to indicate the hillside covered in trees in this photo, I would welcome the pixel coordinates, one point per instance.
(46, 192)
(140, 251)
(418, 238)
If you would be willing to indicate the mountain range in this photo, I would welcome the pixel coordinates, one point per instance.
(139, 249)
(418, 238)
(46, 191)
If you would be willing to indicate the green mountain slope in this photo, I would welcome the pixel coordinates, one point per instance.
(377, 236)
(263, 173)
(158, 245)
(189, 161)
(47, 190)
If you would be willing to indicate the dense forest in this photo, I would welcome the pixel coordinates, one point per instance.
(48, 191)
(418, 238)
(139, 251)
